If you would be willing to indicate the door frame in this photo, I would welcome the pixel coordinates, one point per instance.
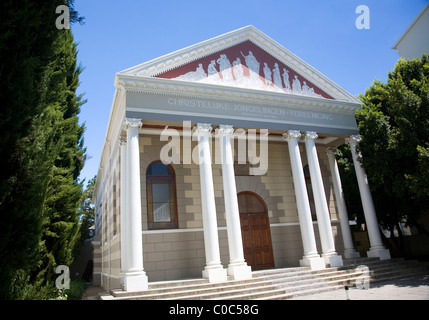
(251, 250)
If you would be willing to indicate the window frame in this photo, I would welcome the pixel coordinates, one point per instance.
(170, 179)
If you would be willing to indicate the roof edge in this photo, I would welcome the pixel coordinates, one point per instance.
(412, 23)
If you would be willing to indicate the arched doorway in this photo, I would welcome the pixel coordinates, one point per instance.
(255, 231)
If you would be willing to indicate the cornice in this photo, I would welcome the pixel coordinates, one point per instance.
(171, 87)
(189, 54)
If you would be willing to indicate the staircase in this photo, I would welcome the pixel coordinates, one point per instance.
(277, 284)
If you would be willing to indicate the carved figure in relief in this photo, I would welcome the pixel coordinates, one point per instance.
(196, 75)
(225, 68)
(234, 74)
(306, 90)
(276, 76)
(267, 74)
(286, 79)
(238, 69)
(252, 64)
(296, 85)
(212, 71)
(200, 73)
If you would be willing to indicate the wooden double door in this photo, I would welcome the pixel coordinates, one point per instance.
(255, 231)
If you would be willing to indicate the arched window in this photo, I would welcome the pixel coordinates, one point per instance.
(310, 192)
(161, 196)
(249, 202)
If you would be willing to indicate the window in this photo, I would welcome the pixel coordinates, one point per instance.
(161, 196)
(249, 202)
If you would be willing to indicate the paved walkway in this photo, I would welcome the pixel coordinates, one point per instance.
(91, 293)
(415, 288)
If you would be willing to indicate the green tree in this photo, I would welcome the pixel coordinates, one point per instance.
(26, 40)
(38, 119)
(86, 210)
(60, 211)
(394, 125)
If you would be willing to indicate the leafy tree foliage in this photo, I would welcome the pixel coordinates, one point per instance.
(86, 211)
(394, 125)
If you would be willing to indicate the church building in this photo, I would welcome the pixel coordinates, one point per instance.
(219, 159)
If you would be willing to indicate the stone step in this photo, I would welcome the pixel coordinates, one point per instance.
(395, 269)
(294, 282)
(397, 274)
(163, 289)
(176, 283)
(266, 291)
(290, 289)
(360, 260)
(282, 283)
(273, 293)
(290, 295)
(204, 293)
(204, 290)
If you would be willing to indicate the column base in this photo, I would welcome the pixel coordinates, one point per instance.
(215, 274)
(240, 272)
(333, 260)
(351, 254)
(135, 281)
(316, 263)
(383, 254)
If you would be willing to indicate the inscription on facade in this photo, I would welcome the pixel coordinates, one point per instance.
(242, 113)
(249, 110)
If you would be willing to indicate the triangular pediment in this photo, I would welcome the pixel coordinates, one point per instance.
(246, 65)
(245, 58)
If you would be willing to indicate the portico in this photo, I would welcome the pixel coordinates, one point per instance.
(192, 131)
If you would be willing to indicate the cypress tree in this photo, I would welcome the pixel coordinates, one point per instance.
(61, 228)
(27, 35)
(41, 149)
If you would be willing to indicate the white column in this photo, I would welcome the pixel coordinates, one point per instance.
(376, 245)
(135, 278)
(349, 249)
(237, 267)
(322, 211)
(123, 206)
(311, 258)
(213, 270)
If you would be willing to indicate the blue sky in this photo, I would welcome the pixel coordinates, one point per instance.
(121, 34)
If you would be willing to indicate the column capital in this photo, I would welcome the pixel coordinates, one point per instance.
(311, 135)
(354, 139)
(291, 135)
(202, 128)
(331, 150)
(225, 130)
(132, 123)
